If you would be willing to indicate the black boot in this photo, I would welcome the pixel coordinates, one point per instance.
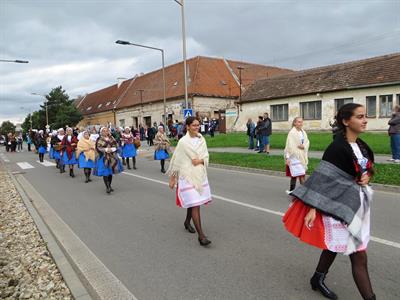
(108, 188)
(109, 182)
(134, 163)
(71, 173)
(127, 163)
(162, 166)
(317, 283)
(86, 175)
(89, 171)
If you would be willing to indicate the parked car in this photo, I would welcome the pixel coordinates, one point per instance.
(2, 140)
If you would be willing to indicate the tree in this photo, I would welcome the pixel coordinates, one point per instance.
(61, 111)
(7, 127)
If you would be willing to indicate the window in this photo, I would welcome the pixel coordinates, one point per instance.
(89, 108)
(398, 99)
(340, 102)
(122, 123)
(386, 105)
(311, 110)
(100, 105)
(108, 103)
(371, 106)
(279, 112)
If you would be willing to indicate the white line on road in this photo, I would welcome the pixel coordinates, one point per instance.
(24, 165)
(278, 213)
(46, 163)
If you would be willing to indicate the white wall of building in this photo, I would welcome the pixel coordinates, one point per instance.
(254, 109)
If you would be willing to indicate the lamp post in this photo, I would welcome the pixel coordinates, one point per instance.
(45, 103)
(181, 3)
(163, 69)
(18, 61)
(141, 106)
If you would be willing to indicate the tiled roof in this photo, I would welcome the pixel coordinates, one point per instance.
(105, 99)
(379, 70)
(209, 77)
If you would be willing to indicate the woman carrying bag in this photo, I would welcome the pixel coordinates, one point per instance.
(296, 153)
(187, 171)
(161, 143)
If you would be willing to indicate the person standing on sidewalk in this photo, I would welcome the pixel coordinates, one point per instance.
(20, 141)
(266, 131)
(161, 143)
(394, 133)
(29, 140)
(187, 171)
(107, 163)
(128, 148)
(259, 145)
(331, 211)
(296, 153)
(68, 146)
(85, 153)
(251, 128)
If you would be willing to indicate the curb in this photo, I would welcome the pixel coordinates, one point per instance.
(86, 276)
(78, 291)
(375, 186)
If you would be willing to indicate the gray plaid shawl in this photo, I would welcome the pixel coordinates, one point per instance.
(335, 193)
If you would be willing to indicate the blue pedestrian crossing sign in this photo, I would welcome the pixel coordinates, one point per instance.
(187, 113)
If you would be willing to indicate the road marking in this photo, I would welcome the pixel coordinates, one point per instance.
(46, 163)
(274, 212)
(24, 165)
(4, 158)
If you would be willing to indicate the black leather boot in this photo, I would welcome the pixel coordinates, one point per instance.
(128, 164)
(87, 176)
(317, 283)
(372, 298)
(106, 182)
(71, 173)
(134, 163)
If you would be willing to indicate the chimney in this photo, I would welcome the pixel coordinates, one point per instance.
(120, 80)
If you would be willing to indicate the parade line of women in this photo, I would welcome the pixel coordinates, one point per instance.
(330, 210)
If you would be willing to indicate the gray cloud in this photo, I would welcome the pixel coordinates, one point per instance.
(71, 43)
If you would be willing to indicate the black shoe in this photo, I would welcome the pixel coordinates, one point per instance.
(189, 228)
(134, 167)
(163, 171)
(108, 190)
(111, 189)
(317, 283)
(89, 180)
(204, 242)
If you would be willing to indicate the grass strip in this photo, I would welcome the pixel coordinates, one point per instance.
(384, 173)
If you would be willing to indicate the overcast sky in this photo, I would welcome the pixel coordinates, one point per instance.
(72, 43)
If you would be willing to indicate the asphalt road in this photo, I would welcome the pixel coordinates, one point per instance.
(138, 233)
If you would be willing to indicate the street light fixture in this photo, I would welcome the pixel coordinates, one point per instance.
(163, 70)
(45, 103)
(181, 3)
(18, 61)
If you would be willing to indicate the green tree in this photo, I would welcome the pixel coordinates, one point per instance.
(7, 127)
(61, 111)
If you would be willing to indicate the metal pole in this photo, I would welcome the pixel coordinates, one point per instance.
(141, 106)
(184, 52)
(47, 116)
(164, 88)
(15, 61)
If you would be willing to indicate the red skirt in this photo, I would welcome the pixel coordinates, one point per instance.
(294, 223)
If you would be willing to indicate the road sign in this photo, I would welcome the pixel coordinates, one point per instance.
(187, 113)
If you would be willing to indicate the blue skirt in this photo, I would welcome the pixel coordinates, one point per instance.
(101, 170)
(83, 163)
(67, 161)
(128, 150)
(42, 150)
(56, 154)
(161, 154)
(51, 153)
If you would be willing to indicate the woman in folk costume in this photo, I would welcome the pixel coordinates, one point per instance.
(50, 143)
(56, 143)
(296, 153)
(128, 147)
(68, 146)
(85, 153)
(332, 209)
(94, 135)
(187, 169)
(107, 162)
(42, 145)
(162, 144)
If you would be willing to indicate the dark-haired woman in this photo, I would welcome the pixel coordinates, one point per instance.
(187, 169)
(128, 148)
(161, 143)
(42, 145)
(107, 163)
(68, 146)
(332, 209)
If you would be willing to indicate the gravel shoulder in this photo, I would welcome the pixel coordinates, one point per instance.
(27, 270)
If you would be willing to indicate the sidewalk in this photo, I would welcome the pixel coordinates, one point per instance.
(382, 159)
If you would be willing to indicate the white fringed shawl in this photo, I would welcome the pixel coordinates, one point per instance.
(292, 143)
(181, 165)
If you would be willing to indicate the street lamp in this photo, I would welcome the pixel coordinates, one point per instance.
(163, 70)
(181, 3)
(18, 61)
(45, 103)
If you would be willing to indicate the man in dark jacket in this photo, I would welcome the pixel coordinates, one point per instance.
(394, 132)
(265, 132)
